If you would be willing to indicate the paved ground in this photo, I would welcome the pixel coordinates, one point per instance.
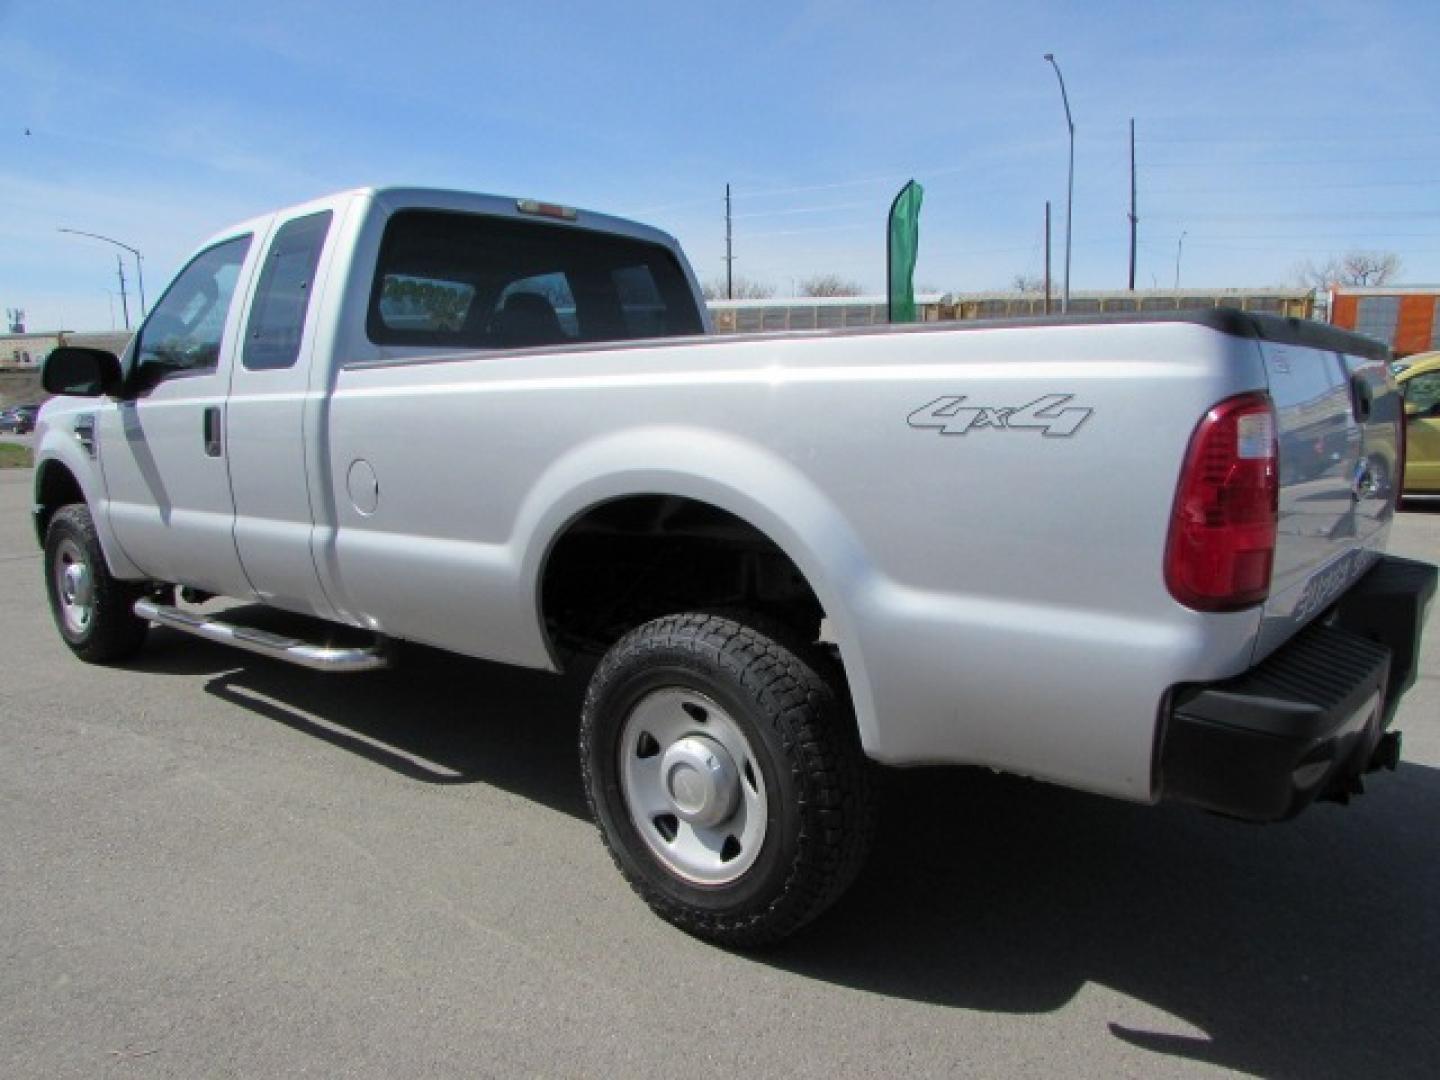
(213, 865)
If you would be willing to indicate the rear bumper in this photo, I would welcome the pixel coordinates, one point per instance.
(1306, 721)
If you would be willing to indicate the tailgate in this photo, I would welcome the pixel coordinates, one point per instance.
(1338, 417)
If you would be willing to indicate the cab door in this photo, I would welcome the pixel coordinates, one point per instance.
(1422, 431)
(273, 414)
(163, 445)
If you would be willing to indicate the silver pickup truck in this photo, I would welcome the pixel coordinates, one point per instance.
(1140, 556)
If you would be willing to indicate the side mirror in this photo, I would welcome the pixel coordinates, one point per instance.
(79, 372)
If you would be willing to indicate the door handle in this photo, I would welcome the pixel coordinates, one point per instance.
(212, 431)
(1361, 397)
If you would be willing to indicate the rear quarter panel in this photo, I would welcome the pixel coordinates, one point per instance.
(997, 595)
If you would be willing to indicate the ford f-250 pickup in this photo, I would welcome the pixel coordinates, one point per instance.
(1138, 556)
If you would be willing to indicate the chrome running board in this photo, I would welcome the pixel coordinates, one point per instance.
(291, 650)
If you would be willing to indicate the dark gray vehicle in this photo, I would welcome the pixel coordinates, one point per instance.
(19, 419)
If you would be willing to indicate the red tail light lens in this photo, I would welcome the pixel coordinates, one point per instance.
(1222, 532)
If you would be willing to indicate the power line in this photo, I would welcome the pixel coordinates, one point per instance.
(1298, 186)
(1284, 138)
(1335, 237)
(803, 210)
(1289, 161)
(802, 232)
(1287, 215)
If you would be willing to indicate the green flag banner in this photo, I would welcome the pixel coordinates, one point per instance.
(902, 248)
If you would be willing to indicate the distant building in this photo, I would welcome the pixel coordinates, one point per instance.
(30, 350)
(112, 341)
(1405, 317)
(835, 312)
(812, 312)
(27, 350)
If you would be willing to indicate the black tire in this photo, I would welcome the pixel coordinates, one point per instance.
(818, 805)
(111, 630)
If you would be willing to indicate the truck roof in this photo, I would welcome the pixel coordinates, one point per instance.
(398, 197)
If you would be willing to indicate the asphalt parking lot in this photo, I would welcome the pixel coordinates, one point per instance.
(216, 865)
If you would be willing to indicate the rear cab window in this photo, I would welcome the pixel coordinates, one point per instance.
(472, 281)
(282, 298)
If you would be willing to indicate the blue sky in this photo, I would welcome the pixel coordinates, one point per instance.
(1269, 132)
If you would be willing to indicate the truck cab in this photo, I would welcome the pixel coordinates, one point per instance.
(212, 452)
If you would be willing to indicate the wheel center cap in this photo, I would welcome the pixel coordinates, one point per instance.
(701, 780)
(77, 585)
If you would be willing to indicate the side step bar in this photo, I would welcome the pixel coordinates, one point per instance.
(291, 650)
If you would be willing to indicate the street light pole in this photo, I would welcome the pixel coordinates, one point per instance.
(1070, 186)
(1179, 248)
(139, 270)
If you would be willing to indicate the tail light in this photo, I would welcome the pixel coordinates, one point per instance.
(1222, 532)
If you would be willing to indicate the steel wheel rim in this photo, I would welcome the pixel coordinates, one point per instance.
(693, 786)
(74, 586)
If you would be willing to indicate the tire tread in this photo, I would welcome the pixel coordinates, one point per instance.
(828, 768)
(116, 632)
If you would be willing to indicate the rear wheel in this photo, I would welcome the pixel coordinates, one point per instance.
(93, 611)
(726, 777)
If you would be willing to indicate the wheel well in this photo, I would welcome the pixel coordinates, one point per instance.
(55, 486)
(630, 560)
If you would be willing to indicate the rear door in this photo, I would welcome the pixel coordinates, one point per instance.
(1422, 449)
(266, 417)
(1337, 429)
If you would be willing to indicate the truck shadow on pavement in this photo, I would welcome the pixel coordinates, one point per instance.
(1310, 948)
(1307, 949)
(434, 717)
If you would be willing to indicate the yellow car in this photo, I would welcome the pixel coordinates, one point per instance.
(1420, 383)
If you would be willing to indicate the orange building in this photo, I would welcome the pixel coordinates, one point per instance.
(1405, 317)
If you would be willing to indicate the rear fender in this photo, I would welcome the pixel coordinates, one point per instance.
(757, 486)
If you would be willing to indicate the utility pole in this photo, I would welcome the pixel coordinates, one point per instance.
(1134, 221)
(1047, 256)
(729, 251)
(124, 304)
(1070, 186)
(1179, 249)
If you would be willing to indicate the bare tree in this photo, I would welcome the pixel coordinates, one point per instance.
(1027, 283)
(1352, 268)
(743, 289)
(829, 285)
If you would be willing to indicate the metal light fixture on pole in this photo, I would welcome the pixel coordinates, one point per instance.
(1070, 186)
(139, 270)
(1179, 248)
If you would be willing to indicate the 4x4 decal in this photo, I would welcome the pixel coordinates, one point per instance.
(1045, 415)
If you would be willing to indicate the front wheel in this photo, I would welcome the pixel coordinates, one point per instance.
(93, 610)
(726, 778)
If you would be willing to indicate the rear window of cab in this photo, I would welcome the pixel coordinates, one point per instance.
(474, 281)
